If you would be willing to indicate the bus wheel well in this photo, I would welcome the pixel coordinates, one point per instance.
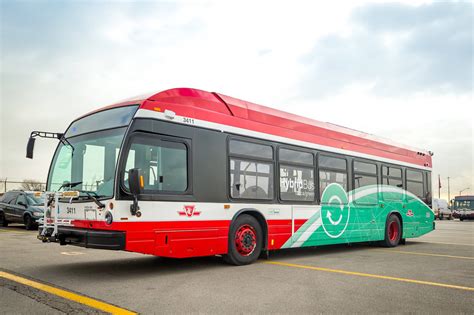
(399, 218)
(261, 220)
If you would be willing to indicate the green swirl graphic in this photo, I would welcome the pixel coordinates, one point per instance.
(335, 210)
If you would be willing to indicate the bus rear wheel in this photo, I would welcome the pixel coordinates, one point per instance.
(393, 231)
(245, 241)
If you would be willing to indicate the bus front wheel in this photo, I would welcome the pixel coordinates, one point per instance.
(393, 231)
(245, 241)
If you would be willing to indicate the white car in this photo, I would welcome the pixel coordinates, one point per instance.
(441, 209)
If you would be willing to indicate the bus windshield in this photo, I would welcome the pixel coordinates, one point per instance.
(464, 204)
(87, 163)
(86, 159)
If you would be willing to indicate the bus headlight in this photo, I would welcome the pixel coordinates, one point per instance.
(109, 218)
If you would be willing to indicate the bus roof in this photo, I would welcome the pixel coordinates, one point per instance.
(226, 110)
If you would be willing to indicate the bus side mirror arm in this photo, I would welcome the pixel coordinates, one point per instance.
(134, 208)
(136, 183)
(43, 134)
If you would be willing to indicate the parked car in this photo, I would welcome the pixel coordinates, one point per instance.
(441, 209)
(463, 207)
(18, 206)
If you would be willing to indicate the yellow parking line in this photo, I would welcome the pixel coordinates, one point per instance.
(109, 308)
(422, 254)
(369, 275)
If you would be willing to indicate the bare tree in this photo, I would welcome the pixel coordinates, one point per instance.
(31, 184)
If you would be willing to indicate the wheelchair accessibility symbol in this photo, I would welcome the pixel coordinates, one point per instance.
(335, 210)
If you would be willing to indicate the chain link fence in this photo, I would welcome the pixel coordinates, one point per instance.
(31, 185)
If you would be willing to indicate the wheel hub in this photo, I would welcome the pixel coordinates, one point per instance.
(245, 240)
(393, 231)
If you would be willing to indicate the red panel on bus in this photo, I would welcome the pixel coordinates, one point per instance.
(226, 110)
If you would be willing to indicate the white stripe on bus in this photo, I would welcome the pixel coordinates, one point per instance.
(145, 113)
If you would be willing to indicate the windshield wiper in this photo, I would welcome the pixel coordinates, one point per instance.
(69, 185)
(96, 201)
(88, 193)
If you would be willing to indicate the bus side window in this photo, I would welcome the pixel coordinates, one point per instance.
(415, 183)
(428, 197)
(365, 174)
(296, 175)
(251, 170)
(163, 163)
(332, 170)
(251, 179)
(392, 176)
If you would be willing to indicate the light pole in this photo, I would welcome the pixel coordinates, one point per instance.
(449, 194)
(460, 192)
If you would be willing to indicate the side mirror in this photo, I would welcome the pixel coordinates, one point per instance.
(136, 184)
(30, 147)
(135, 181)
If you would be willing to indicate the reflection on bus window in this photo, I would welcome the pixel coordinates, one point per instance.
(296, 183)
(332, 170)
(392, 176)
(415, 183)
(251, 179)
(415, 188)
(364, 180)
(91, 165)
(163, 164)
(328, 177)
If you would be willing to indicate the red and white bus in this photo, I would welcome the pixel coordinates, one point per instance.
(185, 173)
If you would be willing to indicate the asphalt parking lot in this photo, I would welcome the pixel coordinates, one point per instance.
(434, 273)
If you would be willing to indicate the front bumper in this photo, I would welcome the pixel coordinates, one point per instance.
(100, 239)
(464, 215)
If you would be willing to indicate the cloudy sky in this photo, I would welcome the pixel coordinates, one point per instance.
(399, 70)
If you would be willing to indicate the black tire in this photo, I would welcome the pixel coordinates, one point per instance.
(461, 219)
(242, 223)
(393, 231)
(29, 222)
(3, 221)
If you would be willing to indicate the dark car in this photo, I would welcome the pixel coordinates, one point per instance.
(21, 207)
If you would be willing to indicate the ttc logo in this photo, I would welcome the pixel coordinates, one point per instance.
(189, 211)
